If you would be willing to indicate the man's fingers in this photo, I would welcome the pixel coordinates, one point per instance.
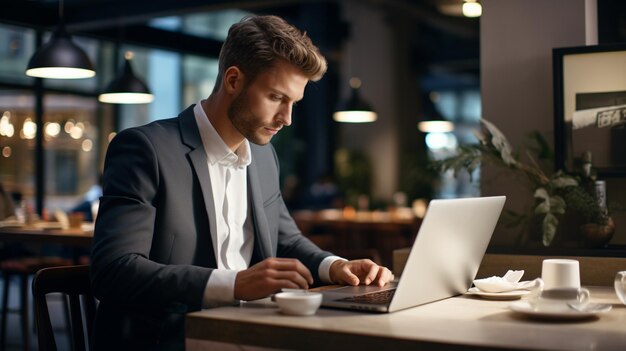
(348, 277)
(384, 276)
(289, 264)
(291, 276)
(371, 274)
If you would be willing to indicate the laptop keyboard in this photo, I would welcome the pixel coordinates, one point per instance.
(375, 298)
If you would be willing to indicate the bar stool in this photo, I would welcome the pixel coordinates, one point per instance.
(23, 268)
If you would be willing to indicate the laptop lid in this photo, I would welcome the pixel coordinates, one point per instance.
(444, 258)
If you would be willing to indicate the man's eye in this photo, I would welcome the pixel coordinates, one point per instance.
(276, 97)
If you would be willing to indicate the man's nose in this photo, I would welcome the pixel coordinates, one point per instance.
(285, 114)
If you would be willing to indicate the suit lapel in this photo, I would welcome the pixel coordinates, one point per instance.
(198, 158)
(262, 241)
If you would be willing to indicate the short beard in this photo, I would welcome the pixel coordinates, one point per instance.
(242, 119)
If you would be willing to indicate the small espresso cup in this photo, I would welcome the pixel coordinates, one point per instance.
(559, 298)
(620, 286)
(560, 274)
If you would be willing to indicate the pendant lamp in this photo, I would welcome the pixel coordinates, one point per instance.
(355, 109)
(432, 121)
(472, 8)
(60, 57)
(126, 87)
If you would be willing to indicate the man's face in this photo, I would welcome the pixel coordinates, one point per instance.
(264, 106)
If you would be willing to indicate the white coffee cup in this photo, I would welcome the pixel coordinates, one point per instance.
(620, 286)
(560, 274)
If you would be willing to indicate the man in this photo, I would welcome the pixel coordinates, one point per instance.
(192, 215)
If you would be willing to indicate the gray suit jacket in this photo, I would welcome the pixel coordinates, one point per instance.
(152, 254)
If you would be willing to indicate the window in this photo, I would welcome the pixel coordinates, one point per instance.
(463, 108)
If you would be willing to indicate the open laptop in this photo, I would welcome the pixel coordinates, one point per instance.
(443, 261)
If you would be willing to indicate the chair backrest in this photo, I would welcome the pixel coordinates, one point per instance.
(72, 281)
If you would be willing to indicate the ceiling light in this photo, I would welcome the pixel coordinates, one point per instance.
(355, 109)
(432, 121)
(472, 8)
(60, 57)
(126, 88)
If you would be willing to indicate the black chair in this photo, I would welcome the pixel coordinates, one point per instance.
(22, 268)
(72, 281)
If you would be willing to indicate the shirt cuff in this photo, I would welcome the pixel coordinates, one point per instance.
(324, 269)
(220, 289)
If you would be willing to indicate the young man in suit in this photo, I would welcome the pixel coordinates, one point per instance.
(192, 215)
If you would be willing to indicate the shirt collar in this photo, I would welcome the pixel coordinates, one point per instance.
(217, 151)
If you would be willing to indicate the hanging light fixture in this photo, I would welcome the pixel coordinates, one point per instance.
(472, 8)
(60, 57)
(126, 87)
(355, 109)
(432, 121)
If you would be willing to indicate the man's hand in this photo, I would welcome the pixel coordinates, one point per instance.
(358, 272)
(269, 276)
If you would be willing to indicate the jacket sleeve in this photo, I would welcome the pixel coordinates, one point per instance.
(121, 270)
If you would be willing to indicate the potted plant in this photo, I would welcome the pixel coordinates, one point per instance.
(554, 192)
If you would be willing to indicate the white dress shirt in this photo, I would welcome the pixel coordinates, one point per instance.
(233, 240)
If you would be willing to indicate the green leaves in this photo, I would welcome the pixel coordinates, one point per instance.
(555, 192)
(468, 159)
(560, 180)
(550, 204)
(550, 222)
(500, 143)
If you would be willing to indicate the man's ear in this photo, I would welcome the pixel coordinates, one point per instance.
(234, 80)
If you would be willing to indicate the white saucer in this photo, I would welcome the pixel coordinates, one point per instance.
(526, 308)
(505, 295)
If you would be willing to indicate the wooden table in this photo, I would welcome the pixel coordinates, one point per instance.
(459, 323)
(346, 233)
(71, 237)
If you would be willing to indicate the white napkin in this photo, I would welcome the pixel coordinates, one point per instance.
(509, 282)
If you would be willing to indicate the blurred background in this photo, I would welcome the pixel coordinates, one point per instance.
(416, 61)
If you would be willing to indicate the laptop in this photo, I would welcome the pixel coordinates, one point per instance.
(443, 261)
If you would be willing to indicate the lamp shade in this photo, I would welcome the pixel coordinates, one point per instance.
(60, 58)
(355, 109)
(126, 88)
(432, 121)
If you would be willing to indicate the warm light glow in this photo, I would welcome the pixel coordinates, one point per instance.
(126, 98)
(472, 8)
(355, 116)
(29, 129)
(435, 126)
(87, 145)
(68, 126)
(76, 132)
(6, 151)
(52, 129)
(111, 136)
(349, 212)
(6, 128)
(419, 208)
(60, 72)
(355, 82)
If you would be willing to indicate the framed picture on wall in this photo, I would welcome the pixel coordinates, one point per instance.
(590, 107)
